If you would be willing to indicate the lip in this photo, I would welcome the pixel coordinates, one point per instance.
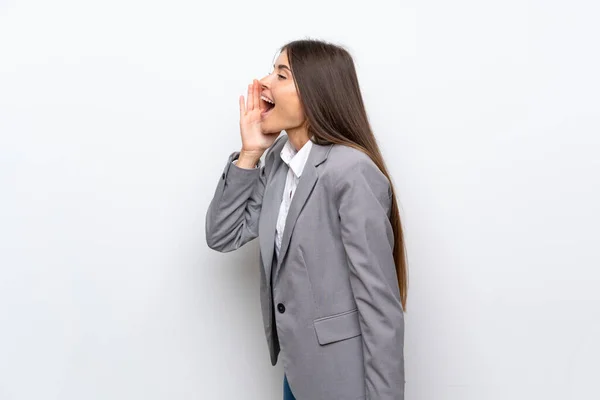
(264, 95)
(263, 114)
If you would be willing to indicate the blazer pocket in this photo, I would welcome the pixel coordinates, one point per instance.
(337, 327)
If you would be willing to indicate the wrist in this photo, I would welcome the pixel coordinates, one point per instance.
(248, 159)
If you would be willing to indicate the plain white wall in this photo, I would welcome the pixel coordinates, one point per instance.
(116, 119)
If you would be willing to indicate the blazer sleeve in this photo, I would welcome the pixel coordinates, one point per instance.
(363, 195)
(233, 214)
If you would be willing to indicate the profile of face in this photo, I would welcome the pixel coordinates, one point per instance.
(280, 102)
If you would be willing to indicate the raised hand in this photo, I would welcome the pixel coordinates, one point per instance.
(254, 141)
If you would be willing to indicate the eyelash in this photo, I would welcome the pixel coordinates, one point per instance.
(278, 75)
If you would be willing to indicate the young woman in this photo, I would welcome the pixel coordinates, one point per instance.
(333, 269)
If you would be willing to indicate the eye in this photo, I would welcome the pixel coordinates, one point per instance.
(281, 76)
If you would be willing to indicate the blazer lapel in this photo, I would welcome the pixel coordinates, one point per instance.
(318, 154)
(269, 212)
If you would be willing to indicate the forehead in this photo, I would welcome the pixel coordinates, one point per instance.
(282, 59)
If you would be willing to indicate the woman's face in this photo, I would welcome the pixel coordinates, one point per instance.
(286, 113)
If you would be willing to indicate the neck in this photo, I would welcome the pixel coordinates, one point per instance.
(298, 137)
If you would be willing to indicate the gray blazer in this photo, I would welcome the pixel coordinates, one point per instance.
(330, 304)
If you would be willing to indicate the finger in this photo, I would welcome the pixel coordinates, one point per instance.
(256, 94)
(250, 98)
(253, 93)
(242, 106)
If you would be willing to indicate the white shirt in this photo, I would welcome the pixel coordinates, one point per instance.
(295, 161)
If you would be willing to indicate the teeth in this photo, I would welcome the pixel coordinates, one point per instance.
(266, 99)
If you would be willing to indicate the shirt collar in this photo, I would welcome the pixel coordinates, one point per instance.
(296, 160)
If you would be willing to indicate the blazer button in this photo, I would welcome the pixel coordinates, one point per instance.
(280, 308)
(223, 176)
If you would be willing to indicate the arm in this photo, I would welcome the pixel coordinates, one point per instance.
(233, 214)
(367, 235)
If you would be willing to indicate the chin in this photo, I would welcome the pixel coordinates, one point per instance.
(267, 130)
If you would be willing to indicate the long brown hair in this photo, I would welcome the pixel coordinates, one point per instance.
(330, 94)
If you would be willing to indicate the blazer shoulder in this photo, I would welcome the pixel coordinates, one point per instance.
(343, 159)
(347, 164)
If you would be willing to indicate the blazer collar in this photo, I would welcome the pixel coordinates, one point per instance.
(296, 160)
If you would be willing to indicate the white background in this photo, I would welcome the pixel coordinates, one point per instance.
(116, 120)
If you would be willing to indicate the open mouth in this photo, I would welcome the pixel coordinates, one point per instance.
(266, 105)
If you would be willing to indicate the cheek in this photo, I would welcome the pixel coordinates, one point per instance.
(289, 109)
(293, 109)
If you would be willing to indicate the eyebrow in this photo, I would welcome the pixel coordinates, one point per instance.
(283, 66)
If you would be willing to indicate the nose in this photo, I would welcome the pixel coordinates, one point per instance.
(264, 82)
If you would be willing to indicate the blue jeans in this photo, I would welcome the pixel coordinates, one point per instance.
(287, 392)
